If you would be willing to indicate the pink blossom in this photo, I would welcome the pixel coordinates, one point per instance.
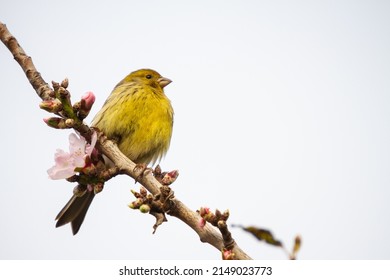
(66, 163)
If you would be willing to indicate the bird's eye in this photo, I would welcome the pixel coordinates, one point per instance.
(148, 76)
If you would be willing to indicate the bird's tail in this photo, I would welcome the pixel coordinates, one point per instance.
(75, 210)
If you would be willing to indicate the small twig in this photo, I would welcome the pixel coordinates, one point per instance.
(219, 220)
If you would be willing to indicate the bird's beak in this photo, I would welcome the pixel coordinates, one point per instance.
(163, 82)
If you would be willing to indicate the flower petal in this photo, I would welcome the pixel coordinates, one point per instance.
(56, 173)
(89, 148)
(76, 143)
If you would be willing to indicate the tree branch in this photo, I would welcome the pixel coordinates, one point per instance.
(207, 234)
(41, 87)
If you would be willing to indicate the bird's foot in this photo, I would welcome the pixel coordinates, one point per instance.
(140, 170)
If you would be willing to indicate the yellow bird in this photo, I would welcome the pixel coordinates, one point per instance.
(139, 117)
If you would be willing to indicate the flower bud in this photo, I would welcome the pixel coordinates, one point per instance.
(139, 202)
(63, 92)
(54, 122)
(227, 254)
(56, 85)
(144, 208)
(51, 105)
(69, 123)
(98, 188)
(204, 211)
(143, 192)
(226, 214)
(88, 99)
(170, 177)
(65, 83)
(86, 103)
(136, 204)
(76, 106)
(201, 223)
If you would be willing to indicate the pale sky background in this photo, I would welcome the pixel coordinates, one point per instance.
(281, 116)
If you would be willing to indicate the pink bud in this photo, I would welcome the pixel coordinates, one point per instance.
(201, 223)
(170, 177)
(89, 99)
(51, 105)
(204, 211)
(55, 122)
(227, 254)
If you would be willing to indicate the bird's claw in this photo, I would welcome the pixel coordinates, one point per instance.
(140, 170)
